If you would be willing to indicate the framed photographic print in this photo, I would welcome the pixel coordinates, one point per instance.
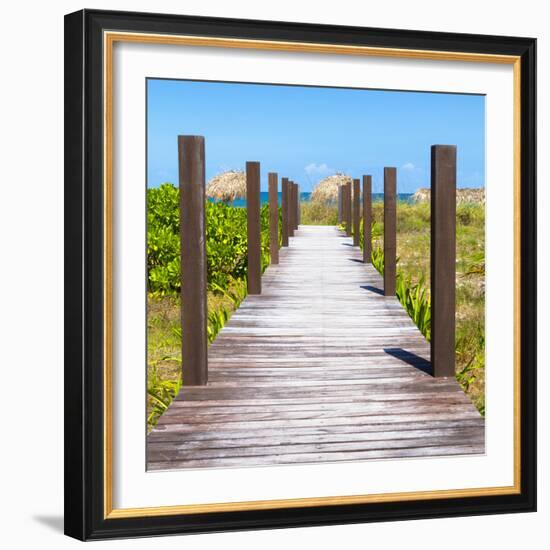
(300, 274)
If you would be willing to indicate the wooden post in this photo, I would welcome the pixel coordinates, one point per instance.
(294, 207)
(344, 204)
(291, 210)
(194, 341)
(297, 217)
(367, 219)
(356, 211)
(347, 208)
(296, 200)
(254, 271)
(284, 210)
(340, 203)
(273, 218)
(443, 259)
(390, 228)
(298, 206)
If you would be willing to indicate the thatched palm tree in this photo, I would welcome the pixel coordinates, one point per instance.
(327, 189)
(227, 186)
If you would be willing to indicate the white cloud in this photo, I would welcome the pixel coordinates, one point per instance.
(313, 169)
(409, 167)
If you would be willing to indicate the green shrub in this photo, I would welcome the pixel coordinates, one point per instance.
(226, 241)
(160, 393)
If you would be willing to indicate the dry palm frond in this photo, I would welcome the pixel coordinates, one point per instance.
(227, 186)
(327, 189)
(463, 196)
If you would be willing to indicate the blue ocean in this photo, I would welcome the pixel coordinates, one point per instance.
(305, 197)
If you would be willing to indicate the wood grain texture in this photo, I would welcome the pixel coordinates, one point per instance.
(347, 208)
(367, 219)
(284, 211)
(340, 204)
(390, 230)
(356, 211)
(254, 239)
(291, 208)
(273, 218)
(298, 207)
(443, 252)
(193, 260)
(321, 367)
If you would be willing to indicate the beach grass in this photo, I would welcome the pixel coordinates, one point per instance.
(318, 213)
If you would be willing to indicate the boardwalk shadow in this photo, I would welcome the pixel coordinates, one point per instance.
(374, 289)
(411, 359)
(355, 260)
(346, 244)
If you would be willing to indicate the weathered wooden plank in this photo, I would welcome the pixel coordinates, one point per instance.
(297, 432)
(442, 450)
(386, 419)
(185, 412)
(293, 448)
(365, 406)
(305, 402)
(251, 439)
(374, 386)
(462, 410)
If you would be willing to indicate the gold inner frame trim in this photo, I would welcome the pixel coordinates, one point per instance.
(109, 39)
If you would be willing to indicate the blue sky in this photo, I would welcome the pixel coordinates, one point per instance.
(308, 133)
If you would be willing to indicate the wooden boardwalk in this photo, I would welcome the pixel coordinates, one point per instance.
(320, 367)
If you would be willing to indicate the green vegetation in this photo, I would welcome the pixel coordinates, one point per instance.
(225, 242)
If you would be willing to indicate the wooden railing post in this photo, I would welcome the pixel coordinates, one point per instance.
(367, 219)
(295, 206)
(284, 210)
(298, 206)
(291, 208)
(344, 207)
(443, 259)
(194, 341)
(356, 211)
(254, 270)
(390, 228)
(273, 218)
(347, 208)
(340, 203)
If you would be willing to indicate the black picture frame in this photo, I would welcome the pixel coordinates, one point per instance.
(84, 281)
